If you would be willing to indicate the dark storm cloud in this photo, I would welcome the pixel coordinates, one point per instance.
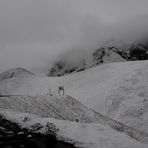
(34, 31)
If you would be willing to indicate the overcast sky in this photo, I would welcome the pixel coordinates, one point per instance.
(32, 32)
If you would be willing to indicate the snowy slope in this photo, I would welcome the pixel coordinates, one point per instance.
(124, 82)
(65, 108)
(81, 135)
(120, 89)
(128, 102)
(58, 107)
(92, 86)
(89, 87)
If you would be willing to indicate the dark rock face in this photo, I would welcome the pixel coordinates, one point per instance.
(139, 51)
(98, 55)
(12, 136)
(62, 67)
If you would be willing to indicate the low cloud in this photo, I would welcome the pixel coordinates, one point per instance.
(33, 32)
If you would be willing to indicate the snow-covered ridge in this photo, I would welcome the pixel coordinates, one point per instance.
(111, 51)
(16, 72)
(13, 79)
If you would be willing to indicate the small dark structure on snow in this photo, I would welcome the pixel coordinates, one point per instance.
(61, 89)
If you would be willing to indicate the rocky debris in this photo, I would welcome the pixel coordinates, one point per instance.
(12, 136)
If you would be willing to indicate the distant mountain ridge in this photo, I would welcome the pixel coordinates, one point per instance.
(111, 51)
(15, 72)
(12, 79)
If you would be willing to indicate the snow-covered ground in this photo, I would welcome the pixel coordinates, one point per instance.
(65, 108)
(128, 102)
(81, 135)
(58, 107)
(90, 87)
(118, 89)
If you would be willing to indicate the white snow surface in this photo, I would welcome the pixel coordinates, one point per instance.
(129, 100)
(58, 107)
(81, 135)
(117, 88)
(90, 87)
